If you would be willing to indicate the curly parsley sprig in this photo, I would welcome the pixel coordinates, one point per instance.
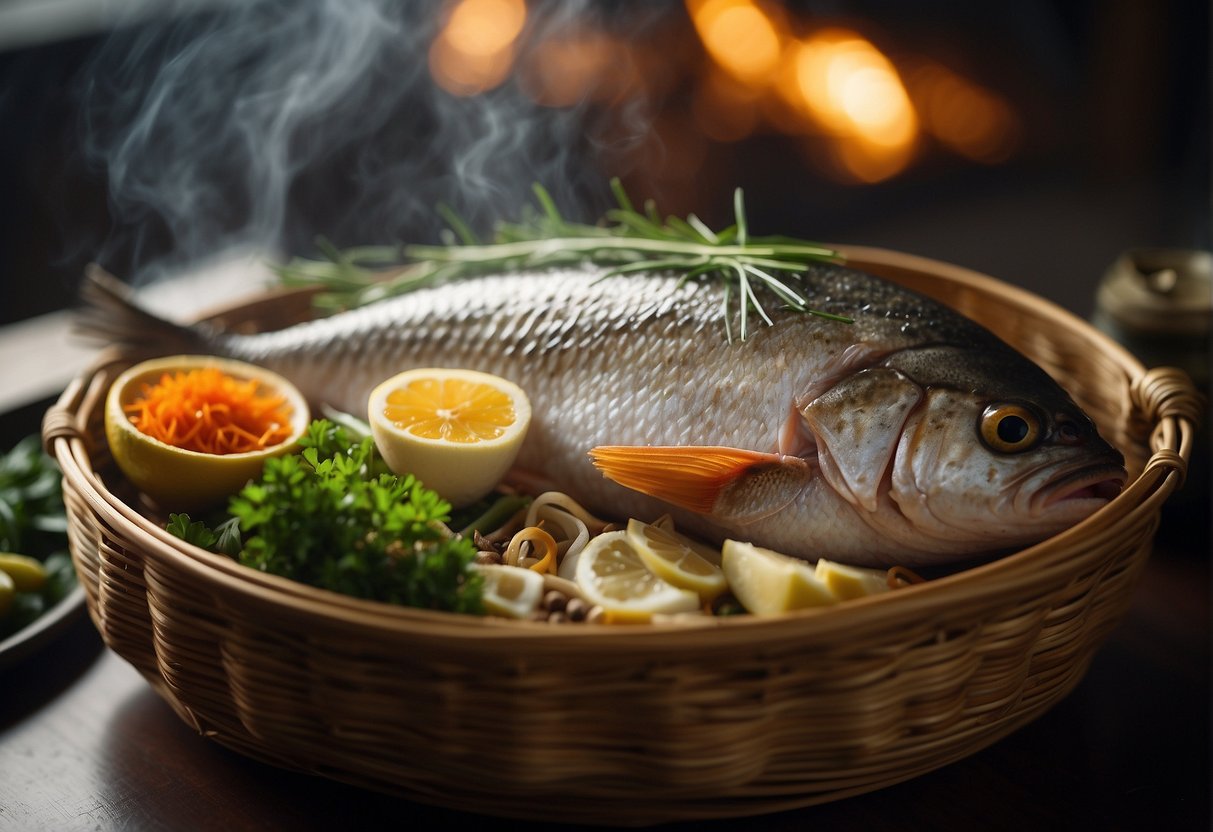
(627, 241)
(333, 516)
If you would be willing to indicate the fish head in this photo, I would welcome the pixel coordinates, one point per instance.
(953, 451)
(1001, 471)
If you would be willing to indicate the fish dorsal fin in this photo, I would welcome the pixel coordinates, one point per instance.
(692, 477)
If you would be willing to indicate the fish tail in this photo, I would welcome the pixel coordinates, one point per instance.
(110, 314)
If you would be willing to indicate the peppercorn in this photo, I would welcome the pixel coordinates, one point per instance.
(555, 600)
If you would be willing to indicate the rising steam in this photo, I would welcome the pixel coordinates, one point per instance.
(266, 123)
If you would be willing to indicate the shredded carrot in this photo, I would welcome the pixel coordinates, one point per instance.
(208, 411)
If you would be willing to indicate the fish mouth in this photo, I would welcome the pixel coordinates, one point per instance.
(1099, 483)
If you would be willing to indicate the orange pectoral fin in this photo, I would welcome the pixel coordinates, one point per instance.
(691, 477)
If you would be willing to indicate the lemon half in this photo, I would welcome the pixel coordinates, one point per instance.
(458, 431)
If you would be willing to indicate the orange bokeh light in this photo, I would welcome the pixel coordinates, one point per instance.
(849, 88)
(563, 71)
(964, 116)
(743, 38)
(474, 52)
(860, 115)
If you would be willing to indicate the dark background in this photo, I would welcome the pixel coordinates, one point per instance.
(1113, 99)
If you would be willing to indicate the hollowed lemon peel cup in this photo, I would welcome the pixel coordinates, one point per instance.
(181, 480)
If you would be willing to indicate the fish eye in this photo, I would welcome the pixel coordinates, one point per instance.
(1009, 428)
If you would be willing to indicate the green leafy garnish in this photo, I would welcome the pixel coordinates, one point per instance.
(626, 241)
(224, 538)
(32, 518)
(333, 516)
(33, 522)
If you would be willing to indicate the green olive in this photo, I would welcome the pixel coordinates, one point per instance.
(8, 591)
(27, 574)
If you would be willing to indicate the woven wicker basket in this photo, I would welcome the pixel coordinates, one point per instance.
(636, 725)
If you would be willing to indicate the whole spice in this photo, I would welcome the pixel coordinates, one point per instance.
(562, 603)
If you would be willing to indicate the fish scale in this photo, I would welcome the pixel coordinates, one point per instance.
(651, 359)
(638, 369)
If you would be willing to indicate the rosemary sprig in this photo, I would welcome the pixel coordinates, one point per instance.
(627, 241)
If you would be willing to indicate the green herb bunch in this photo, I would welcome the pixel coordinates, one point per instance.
(33, 523)
(626, 241)
(333, 516)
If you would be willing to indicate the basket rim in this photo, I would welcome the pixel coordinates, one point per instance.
(966, 589)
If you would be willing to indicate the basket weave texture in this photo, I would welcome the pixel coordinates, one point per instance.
(644, 724)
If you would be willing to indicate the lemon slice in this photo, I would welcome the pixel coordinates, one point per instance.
(677, 559)
(847, 582)
(768, 583)
(511, 591)
(457, 431)
(611, 574)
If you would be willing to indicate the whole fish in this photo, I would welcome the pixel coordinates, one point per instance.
(910, 436)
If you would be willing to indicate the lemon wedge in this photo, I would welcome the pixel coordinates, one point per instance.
(847, 582)
(510, 591)
(768, 583)
(458, 431)
(677, 559)
(611, 574)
